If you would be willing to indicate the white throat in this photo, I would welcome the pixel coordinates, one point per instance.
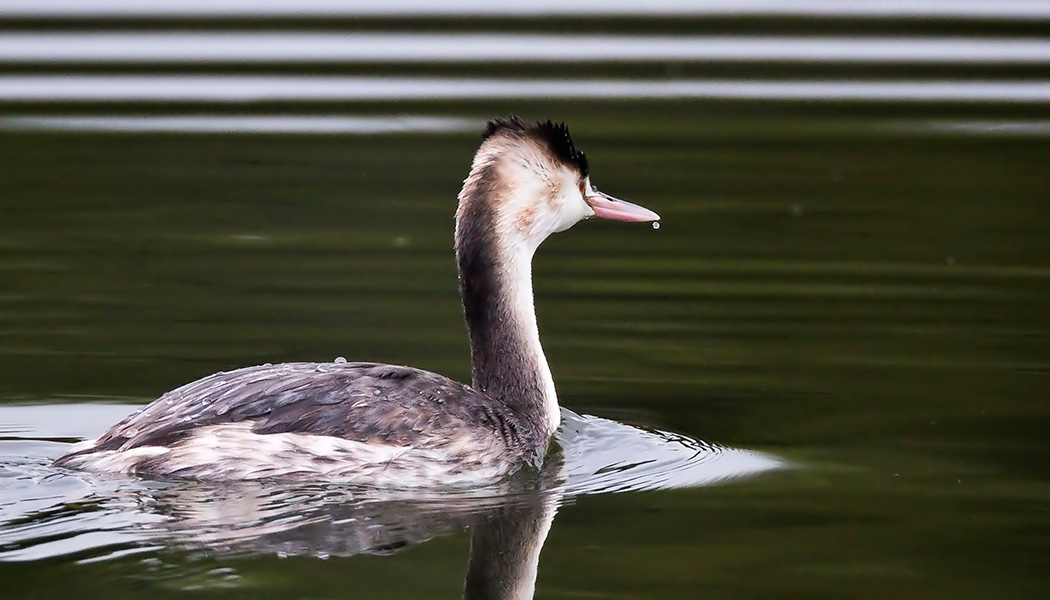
(518, 294)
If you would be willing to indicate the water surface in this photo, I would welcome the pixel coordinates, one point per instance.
(825, 375)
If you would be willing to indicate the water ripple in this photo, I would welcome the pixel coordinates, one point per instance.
(277, 124)
(1002, 9)
(46, 513)
(297, 47)
(274, 88)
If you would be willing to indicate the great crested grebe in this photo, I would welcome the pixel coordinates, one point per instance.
(388, 425)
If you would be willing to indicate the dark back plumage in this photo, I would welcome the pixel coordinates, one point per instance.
(366, 402)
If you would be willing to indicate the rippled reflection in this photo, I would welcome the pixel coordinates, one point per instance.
(116, 518)
(371, 125)
(263, 47)
(283, 88)
(1003, 9)
(46, 513)
(331, 124)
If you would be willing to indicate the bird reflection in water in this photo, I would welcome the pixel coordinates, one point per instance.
(47, 513)
(508, 523)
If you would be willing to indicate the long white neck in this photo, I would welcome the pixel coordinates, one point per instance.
(521, 311)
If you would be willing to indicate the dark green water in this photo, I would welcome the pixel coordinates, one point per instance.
(858, 286)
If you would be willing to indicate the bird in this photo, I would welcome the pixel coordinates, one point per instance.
(393, 426)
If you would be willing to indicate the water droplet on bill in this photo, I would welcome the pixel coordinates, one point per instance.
(656, 224)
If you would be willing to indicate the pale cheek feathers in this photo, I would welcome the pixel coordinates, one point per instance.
(554, 207)
(536, 197)
(572, 206)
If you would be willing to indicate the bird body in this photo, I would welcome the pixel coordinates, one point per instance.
(387, 425)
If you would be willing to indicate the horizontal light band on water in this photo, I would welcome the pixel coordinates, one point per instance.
(977, 128)
(243, 124)
(379, 125)
(295, 47)
(293, 88)
(958, 9)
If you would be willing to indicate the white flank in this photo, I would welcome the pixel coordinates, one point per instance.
(234, 452)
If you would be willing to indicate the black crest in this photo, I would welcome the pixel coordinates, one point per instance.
(554, 135)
